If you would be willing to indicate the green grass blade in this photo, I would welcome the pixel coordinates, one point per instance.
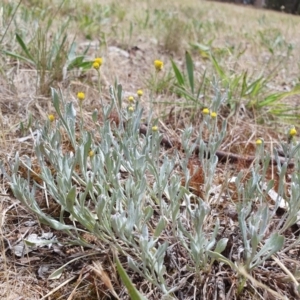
(86, 65)
(271, 99)
(60, 50)
(78, 62)
(182, 91)
(218, 68)
(19, 57)
(86, 49)
(201, 85)
(190, 70)
(133, 292)
(55, 54)
(24, 48)
(179, 76)
(234, 83)
(284, 115)
(255, 87)
(244, 84)
(75, 63)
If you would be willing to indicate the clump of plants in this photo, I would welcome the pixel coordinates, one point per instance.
(116, 183)
(157, 205)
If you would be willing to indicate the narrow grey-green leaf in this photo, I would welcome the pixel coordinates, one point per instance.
(57, 273)
(221, 258)
(160, 227)
(71, 199)
(55, 100)
(221, 245)
(95, 115)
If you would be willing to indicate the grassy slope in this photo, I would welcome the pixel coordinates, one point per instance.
(264, 43)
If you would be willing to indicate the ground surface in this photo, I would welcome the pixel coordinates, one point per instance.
(249, 46)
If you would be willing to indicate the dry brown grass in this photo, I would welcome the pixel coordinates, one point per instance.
(130, 59)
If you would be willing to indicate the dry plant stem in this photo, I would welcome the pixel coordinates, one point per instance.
(79, 280)
(286, 270)
(81, 116)
(222, 155)
(243, 272)
(294, 244)
(58, 287)
(106, 25)
(2, 250)
(2, 138)
(100, 89)
(104, 277)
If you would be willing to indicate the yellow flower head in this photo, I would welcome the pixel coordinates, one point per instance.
(158, 64)
(130, 99)
(292, 132)
(97, 63)
(80, 96)
(205, 111)
(258, 142)
(130, 108)
(213, 114)
(154, 128)
(98, 60)
(91, 153)
(139, 93)
(96, 66)
(51, 118)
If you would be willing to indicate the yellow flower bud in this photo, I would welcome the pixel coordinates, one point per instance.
(213, 114)
(158, 64)
(154, 128)
(51, 118)
(139, 93)
(258, 142)
(96, 65)
(80, 96)
(130, 99)
(292, 132)
(91, 153)
(205, 111)
(98, 60)
(130, 108)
